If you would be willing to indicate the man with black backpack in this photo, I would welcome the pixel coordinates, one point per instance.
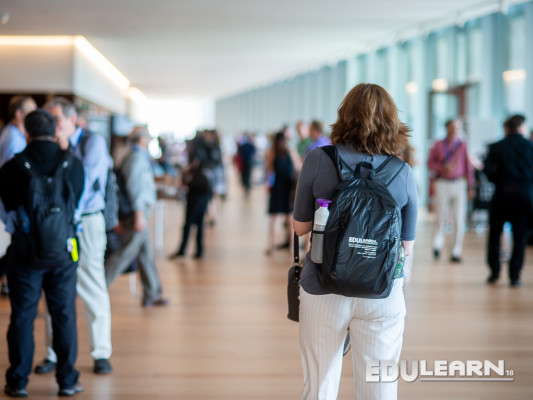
(43, 184)
(92, 289)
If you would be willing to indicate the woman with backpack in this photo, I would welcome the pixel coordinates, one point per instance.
(367, 137)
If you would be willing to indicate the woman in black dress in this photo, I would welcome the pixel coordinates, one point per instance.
(281, 169)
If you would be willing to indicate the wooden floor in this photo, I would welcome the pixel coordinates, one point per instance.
(225, 334)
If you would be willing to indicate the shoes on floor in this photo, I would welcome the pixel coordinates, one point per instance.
(12, 392)
(45, 367)
(516, 283)
(155, 302)
(199, 256)
(102, 366)
(456, 259)
(492, 279)
(70, 391)
(176, 255)
(436, 254)
(282, 246)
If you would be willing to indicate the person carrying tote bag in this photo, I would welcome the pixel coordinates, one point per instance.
(367, 137)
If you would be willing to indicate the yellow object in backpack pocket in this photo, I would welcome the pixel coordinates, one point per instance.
(72, 247)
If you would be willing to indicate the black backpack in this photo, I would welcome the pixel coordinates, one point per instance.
(200, 180)
(111, 196)
(125, 208)
(362, 235)
(111, 201)
(46, 229)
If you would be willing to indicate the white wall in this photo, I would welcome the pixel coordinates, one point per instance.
(93, 85)
(57, 68)
(34, 69)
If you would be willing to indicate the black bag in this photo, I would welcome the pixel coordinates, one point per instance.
(200, 179)
(293, 292)
(111, 201)
(293, 286)
(362, 234)
(114, 243)
(111, 198)
(125, 208)
(46, 232)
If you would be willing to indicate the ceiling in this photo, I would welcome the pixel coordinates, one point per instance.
(211, 48)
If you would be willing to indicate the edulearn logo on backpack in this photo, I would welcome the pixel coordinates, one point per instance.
(368, 246)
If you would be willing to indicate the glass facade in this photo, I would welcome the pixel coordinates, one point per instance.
(480, 70)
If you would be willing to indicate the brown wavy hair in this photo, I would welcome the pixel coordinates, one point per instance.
(368, 120)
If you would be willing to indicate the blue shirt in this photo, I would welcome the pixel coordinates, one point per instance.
(96, 163)
(12, 141)
(321, 141)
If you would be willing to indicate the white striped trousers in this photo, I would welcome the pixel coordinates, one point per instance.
(376, 331)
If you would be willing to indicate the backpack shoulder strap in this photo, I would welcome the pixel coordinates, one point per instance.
(331, 152)
(65, 164)
(344, 172)
(24, 163)
(389, 170)
(85, 136)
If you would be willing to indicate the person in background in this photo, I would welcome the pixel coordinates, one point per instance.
(137, 244)
(281, 170)
(316, 134)
(198, 177)
(216, 165)
(12, 141)
(509, 164)
(455, 183)
(13, 136)
(91, 149)
(28, 280)
(304, 141)
(246, 153)
(367, 130)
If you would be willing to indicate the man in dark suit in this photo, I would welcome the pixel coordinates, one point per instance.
(509, 165)
(29, 275)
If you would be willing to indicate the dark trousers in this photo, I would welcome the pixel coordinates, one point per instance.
(194, 215)
(246, 175)
(25, 285)
(514, 208)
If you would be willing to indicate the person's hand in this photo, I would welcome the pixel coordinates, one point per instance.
(119, 229)
(471, 194)
(448, 167)
(140, 221)
(62, 139)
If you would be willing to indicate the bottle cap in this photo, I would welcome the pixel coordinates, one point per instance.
(323, 202)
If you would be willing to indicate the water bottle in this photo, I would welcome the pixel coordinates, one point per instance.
(317, 244)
